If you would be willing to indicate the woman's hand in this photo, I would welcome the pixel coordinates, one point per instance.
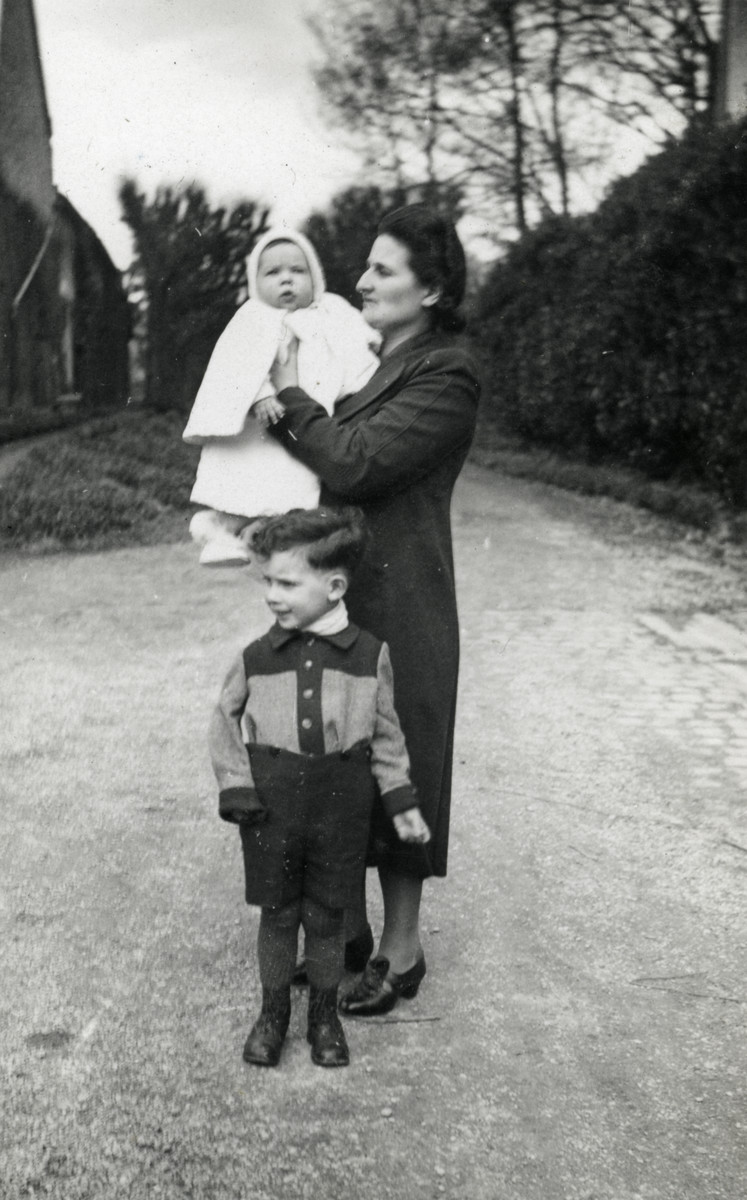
(411, 827)
(284, 370)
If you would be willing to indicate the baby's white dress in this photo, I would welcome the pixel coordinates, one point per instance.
(243, 469)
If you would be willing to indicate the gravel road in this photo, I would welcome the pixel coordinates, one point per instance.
(580, 1033)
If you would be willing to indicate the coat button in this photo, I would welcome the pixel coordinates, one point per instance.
(308, 693)
(306, 723)
(308, 664)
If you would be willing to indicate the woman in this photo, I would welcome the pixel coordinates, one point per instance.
(395, 448)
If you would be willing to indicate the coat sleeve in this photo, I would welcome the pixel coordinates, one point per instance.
(238, 799)
(431, 415)
(389, 760)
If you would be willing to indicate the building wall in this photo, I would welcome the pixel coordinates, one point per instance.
(99, 315)
(25, 130)
(64, 319)
(30, 326)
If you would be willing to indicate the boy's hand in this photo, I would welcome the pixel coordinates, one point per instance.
(253, 818)
(411, 827)
(268, 411)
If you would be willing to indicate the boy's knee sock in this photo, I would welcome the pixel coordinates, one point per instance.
(277, 941)
(325, 943)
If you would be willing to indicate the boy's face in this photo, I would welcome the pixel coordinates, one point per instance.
(297, 593)
(284, 278)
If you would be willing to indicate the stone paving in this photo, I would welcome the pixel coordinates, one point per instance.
(696, 692)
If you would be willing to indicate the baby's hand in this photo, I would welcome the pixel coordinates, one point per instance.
(411, 827)
(268, 411)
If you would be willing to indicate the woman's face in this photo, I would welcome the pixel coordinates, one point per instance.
(394, 300)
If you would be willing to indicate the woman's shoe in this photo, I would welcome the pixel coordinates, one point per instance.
(379, 989)
(408, 983)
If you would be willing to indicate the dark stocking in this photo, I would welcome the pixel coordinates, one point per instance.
(276, 944)
(324, 943)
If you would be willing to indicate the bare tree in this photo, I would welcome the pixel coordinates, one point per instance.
(663, 58)
(517, 103)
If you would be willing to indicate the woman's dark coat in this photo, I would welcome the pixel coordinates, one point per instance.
(395, 448)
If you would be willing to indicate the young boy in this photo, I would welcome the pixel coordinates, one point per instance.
(242, 473)
(315, 698)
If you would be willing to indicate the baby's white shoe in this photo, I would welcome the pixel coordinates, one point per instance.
(205, 525)
(225, 551)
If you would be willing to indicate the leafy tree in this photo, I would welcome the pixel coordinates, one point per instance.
(516, 102)
(186, 280)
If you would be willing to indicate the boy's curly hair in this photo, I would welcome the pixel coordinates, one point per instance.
(331, 538)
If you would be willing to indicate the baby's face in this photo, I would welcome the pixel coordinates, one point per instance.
(284, 278)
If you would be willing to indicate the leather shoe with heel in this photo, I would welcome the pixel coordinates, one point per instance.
(379, 989)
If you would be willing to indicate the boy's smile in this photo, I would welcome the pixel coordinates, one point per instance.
(297, 593)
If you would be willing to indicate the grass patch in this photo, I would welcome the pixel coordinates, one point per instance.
(117, 481)
(125, 480)
(679, 502)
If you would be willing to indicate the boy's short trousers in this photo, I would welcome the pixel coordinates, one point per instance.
(314, 840)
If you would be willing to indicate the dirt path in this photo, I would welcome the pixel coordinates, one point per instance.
(580, 1031)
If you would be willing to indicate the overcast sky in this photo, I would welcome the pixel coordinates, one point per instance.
(216, 91)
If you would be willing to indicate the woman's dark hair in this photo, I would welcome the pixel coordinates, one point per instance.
(331, 538)
(436, 257)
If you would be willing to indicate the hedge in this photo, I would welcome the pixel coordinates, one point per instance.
(115, 481)
(620, 336)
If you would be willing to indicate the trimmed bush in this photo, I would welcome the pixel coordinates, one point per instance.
(620, 336)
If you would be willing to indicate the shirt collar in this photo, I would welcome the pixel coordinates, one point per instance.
(343, 640)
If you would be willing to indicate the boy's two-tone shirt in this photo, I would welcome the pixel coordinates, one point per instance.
(312, 695)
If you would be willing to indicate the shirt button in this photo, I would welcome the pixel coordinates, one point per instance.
(308, 664)
(308, 693)
(306, 723)
(310, 641)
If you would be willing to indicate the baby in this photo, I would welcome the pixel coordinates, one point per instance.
(243, 472)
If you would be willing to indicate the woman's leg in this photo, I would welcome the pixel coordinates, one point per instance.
(400, 938)
(399, 967)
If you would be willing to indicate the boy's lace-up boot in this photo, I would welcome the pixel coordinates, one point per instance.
(265, 1041)
(325, 1032)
